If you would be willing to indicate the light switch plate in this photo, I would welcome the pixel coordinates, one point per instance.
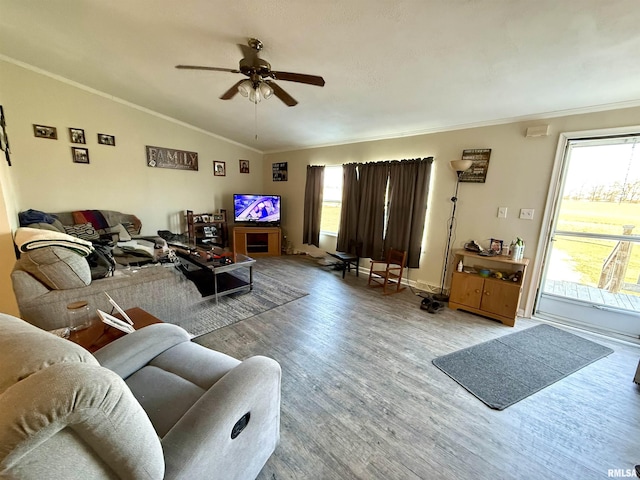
(526, 213)
(502, 212)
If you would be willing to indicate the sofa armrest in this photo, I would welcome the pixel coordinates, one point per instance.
(202, 437)
(111, 432)
(130, 353)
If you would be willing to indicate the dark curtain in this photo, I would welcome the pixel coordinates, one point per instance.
(373, 187)
(407, 207)
(313, 205)
(348, 229)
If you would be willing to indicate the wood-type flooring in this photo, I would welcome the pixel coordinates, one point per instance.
(362, 400)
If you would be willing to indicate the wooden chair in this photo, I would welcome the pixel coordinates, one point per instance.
(392, 273)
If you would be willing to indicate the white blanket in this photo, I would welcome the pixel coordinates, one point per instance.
(31, 238)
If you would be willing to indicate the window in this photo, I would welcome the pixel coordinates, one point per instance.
(331, 200)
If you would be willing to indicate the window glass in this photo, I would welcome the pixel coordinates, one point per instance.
(332, 199)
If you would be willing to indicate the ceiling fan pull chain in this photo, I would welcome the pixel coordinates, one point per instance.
(256, 119)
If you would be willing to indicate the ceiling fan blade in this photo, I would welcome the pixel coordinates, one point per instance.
(229, 94)
(282, 95)
(215, 69)
(299, 77)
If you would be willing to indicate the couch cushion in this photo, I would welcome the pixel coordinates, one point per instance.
(165, 397)
(57, 267)
(84, 231)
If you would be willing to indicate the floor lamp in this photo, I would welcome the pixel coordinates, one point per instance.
(459, 166)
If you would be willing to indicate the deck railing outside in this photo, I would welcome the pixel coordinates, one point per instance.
(615, 266)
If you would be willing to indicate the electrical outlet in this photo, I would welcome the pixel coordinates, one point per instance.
(502, 212)
(526, 213)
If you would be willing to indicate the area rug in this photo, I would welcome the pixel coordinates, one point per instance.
(268, 292)
(505, 370)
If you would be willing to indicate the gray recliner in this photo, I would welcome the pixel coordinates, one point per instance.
(151, 404)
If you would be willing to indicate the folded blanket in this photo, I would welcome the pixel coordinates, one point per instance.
(31, 238)
(94, 217)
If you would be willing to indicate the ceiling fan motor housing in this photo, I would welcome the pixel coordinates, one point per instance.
(258, 65)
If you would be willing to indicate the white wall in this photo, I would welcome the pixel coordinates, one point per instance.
(518, 177)
(117, 178)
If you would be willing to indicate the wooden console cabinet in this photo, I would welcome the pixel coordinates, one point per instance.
(257, 241)
(491, 297)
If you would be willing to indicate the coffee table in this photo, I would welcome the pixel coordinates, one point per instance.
(99, 334)
(214, 276)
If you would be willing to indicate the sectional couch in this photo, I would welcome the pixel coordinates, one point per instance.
(45, 280)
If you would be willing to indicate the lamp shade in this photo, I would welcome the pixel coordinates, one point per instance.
(461, 165)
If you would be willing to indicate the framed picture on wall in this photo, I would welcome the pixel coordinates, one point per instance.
(244, 166)
(76, 135)
(104, 139)
(279, 171)
(42, 131)
(479, 157)
(219, 169)
(80, 155)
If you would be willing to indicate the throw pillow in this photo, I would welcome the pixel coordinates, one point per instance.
(131, 228)
(84, 231)
(58, 268)
(123, 234)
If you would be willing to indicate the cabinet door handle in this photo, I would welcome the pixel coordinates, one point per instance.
(486, 293)
(477, 290)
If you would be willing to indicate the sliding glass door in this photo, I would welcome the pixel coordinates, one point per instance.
(591, 275)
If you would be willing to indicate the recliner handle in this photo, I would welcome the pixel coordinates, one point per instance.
(240, 425)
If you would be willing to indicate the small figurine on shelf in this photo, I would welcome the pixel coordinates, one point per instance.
(516, 277)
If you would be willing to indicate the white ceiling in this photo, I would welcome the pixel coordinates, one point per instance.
(392, 68)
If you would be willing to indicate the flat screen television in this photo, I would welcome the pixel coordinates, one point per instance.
(259, 209)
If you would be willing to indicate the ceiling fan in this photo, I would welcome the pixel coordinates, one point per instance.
(260, 83)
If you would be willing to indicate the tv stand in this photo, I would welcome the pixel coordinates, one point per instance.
(257, 241)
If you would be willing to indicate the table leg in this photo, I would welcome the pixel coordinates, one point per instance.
(215, 287)
(250, 277)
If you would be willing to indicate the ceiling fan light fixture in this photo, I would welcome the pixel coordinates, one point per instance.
(245, 88)
(265, 90)
(254, 95)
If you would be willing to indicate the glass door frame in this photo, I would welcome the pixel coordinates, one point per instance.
(554, 197)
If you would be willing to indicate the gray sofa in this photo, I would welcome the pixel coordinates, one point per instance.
(150, 405)
(46, 280)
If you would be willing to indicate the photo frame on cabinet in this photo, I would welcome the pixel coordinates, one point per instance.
(496, 245)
